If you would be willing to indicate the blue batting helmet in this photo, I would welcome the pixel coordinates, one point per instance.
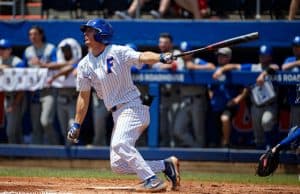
(265, 50)
(4, 43)
(296, 41)
(103, 28)
(185, 46)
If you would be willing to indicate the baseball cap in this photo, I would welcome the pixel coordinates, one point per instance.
(265, 50)
(224, 51)
(296, 41)
(185, 46)
(4, 43)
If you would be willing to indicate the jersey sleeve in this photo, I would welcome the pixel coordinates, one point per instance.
(53, 55)
(246, 67)
(83, 81)
(289, 60)
(130, 56)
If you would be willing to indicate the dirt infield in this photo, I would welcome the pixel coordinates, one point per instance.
(86, 185)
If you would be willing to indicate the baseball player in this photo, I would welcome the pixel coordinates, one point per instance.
(68, 54)
(106, 68)
(169, 92)
(224, 103)
(193, 106)
(264, 116)
(293, 64)
(42, 102)
(13, 100)
(268, 162)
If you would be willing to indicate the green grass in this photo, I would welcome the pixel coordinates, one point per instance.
(283, 179)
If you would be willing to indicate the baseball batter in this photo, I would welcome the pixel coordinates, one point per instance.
(106, 68)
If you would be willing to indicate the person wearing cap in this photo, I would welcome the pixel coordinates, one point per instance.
(189, 127)
(224, 100)
(264, 116)
(68, 55)
(13, 100)
(292, 64)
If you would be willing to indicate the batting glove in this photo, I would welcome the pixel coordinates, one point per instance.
(166, 58)
(73, 132)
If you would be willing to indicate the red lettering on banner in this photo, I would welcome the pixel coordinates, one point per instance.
(242, 119)
(284, 120)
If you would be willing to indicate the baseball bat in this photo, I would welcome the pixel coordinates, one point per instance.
(224, 43)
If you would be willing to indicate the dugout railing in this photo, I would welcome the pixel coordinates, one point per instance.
(154, 79)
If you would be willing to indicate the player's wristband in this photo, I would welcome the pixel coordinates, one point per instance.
(76, 125)
(161, 58)
(270, 71)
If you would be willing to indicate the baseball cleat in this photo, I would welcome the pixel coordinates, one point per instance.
(152, 185)
(172, 171)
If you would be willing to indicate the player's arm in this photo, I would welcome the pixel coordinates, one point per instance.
(290, 65)
(151, 58)
(192, 66)
(228, 67)
(270, 71)
(82, 106)
(64, 71)
(236, 100)
(81, 110)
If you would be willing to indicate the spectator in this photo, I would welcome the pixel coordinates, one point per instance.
(169, 93)
(13, 100)
(293, 9)
(224, 103)
(264, 115)
(197, 8)
(293, 64)
(42, 102)
(68, 54)
(193, 106)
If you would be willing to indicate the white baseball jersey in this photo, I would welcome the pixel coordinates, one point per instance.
(110, 75)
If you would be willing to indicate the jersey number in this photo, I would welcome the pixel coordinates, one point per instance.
(109, 63)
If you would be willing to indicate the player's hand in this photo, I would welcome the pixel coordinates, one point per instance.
(260, 79)
(217, 74)
(73, 132)
(166, 58)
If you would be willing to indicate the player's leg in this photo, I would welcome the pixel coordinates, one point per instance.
(295, 118)
(37, 129)
(199, 108)
(258, 132)
(13, 127)
(47, 118)
(269, 121)
(125, 158)
(62, 116)
(226, 126)
(129, 124)
(182, 120)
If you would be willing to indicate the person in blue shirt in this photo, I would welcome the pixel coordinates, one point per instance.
(263, 115)
(42, 102)
(224, 100)
(189, 126)
(13, 99)
(293, 64)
